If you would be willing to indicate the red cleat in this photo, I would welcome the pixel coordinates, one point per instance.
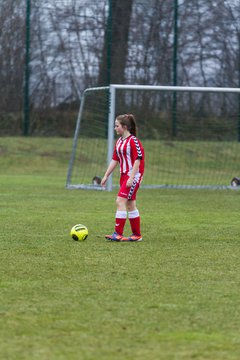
(114, 237)
(132, 238)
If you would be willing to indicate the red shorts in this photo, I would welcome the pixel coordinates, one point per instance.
(129, 192)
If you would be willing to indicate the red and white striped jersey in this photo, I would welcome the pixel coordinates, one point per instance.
(126, 151)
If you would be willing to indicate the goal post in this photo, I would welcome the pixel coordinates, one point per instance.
(202, 152)
(69, 182)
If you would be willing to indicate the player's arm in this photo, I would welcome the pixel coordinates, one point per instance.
(133, 172)
(111, 167)
(138, 155)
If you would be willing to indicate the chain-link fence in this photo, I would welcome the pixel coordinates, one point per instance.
(51, 50)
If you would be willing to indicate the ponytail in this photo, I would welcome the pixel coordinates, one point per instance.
(129, 121)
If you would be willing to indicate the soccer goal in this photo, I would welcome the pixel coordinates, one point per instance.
(191, 135)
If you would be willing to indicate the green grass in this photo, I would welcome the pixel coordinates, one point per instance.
(173, 296)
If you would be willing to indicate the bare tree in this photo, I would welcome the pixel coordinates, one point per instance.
(208, 42)
(70, 44)
(12, 40)
(66, 47)
(115, 49)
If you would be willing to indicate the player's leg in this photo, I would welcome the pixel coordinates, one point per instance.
(134, 219)
(121, 213)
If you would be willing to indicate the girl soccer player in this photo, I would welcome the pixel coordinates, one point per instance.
(129, 153)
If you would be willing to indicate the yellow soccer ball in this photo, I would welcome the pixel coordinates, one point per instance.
(79, 232)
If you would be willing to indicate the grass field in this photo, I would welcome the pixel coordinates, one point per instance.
(173, 296)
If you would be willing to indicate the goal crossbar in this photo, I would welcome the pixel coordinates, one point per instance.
(176, 88)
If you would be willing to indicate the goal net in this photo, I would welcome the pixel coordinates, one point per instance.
(191, 135)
